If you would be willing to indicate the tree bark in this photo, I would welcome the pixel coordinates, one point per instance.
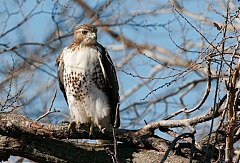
(44, 142)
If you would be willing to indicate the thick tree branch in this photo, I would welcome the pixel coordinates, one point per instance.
(41, 141)
(14, 125)
(42, 149)
(47, 150)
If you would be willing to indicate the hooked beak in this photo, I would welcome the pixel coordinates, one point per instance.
(93, 35)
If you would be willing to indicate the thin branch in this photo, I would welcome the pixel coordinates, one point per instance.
(186, 122)
(207, 91)
(50, 109)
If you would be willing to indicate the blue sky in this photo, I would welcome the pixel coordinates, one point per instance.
(155, 32)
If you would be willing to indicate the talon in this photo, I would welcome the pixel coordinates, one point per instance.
(72, 127)
(90, 130)
(102, 129)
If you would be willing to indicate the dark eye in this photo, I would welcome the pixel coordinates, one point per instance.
(84, 32)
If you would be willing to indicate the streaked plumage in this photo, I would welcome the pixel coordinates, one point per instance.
(88, 80)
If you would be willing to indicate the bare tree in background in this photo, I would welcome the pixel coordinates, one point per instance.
(178, 70)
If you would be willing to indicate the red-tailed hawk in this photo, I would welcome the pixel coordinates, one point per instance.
(88, 80)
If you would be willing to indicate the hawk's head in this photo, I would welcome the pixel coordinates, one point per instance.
(85, 35)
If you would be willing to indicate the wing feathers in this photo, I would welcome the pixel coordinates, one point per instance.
(60, 65)
(110, 76)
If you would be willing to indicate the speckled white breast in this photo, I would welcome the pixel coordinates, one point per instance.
(84, 84)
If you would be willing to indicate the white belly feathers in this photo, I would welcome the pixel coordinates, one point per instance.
(84, 84)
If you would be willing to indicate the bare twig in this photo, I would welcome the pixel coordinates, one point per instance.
(50, 109)
(114, 133)
(207, 91)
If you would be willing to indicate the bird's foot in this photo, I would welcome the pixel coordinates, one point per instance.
(72, 127)
(90, 130)
(102, 129)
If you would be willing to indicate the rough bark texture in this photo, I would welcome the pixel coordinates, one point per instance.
(61, 151)
(42, 142)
